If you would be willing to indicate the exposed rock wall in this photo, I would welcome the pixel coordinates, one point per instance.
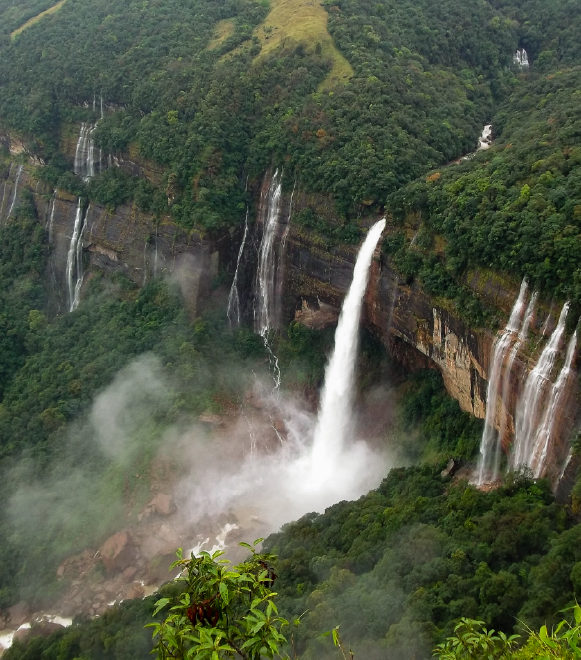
(123, 241)
(419, 331)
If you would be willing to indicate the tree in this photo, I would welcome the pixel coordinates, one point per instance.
(222, 612)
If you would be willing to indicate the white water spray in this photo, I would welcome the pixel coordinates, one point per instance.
(234, 299)
(542, 442)
(334, 423)
(489, 461)
(527, 411)
(21, 167)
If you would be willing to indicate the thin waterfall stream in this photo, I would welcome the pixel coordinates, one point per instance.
(265, 314)
(233, 310)
(20, 168)
(74, 272)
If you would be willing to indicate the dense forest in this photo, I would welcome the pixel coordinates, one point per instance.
(194, 88)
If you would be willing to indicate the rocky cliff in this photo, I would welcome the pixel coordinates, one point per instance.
(418, 330)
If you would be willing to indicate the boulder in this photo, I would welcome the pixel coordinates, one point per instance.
(40, 629)
(18, 614)
(117, 553)
(162, 504)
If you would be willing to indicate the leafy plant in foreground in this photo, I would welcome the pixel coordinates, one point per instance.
(222, 612)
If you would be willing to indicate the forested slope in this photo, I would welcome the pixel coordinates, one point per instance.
(212, 114)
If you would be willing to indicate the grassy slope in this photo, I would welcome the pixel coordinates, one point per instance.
(296, 22)
(35, 19)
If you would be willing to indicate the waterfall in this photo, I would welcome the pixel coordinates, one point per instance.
(269, 273)
(488, 464)
(51, 216)
(233, 298)
(543, 436)
(74, 271)
(521, 58)
(485, 140)
(267, 258)
(15, 190)
(79, 257)
(528, 408)
(521, 339)
(84, 164)
(334, 422)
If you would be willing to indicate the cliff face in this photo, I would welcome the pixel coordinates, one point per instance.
(123, 241)
(314, 278)
(417, 333)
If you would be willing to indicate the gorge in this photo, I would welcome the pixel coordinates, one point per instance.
(293, 270)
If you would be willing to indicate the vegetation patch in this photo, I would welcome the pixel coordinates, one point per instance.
(37, 18)
(303, 23)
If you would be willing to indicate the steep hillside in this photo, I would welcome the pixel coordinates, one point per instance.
(171, 170)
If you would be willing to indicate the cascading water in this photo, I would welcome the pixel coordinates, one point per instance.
(269, 269)
(267, 259)
(4, 191)
(21, 167)
(233, 311)
(489, 461)
(84, 164)
(521, 339)
(521, 58)
(74, 272)
(527, 411)
(542, 442)
(485, 140)
(334, 422)
(51, 217)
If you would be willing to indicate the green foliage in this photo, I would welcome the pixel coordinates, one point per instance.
(118, 634)
(413, 555)
(472, 641)
(222, 612)
(445, 430)
(516, 207)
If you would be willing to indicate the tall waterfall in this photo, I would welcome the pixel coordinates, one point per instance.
(74, 271)
(84, 164)
(20, 168)
(334, 422)
(528, 408)
(489, 462)
(541, 445)
(270, 268)
(521, 58)
(265, 312)
(233, 311)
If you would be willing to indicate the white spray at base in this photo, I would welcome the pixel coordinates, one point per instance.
(321, 462)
